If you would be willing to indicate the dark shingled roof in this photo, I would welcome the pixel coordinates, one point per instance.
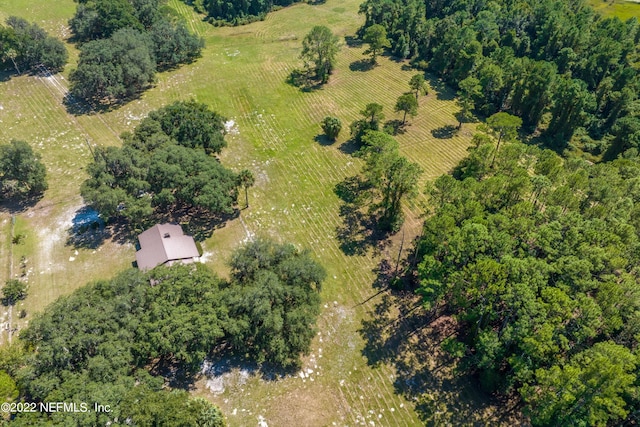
(165, 243)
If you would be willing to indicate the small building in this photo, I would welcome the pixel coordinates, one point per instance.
(165, 244)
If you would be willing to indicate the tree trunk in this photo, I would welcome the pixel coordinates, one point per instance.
(16, 65)
(404, 118)
(495, 152)
(246, 197)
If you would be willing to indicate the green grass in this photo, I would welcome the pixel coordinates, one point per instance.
(242, 75)
(623, 9)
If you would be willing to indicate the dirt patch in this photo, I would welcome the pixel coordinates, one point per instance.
(52, 238)
(303, 409)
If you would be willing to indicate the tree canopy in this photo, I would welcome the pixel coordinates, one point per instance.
(101, 343)
(237, 12)
(22, 174)
(391, 177)
(163, 165)
(376, 37)
(274, 302)
(92, 345)
(113, 69)
(408, 104)
(123, 43)
(536, 260)
(331, 127)
(319, 49)
(418, 85)
(530, 58)
(28, 46)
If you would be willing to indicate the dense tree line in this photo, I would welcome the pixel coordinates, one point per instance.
(531, 59)
(24, 46)
(98, 344)
(22, 174)
(536, 258)
(123, 44)
(166, 163)
(237, 12)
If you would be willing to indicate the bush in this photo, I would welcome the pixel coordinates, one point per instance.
(331, 127)
(21, 172)
(13, 291)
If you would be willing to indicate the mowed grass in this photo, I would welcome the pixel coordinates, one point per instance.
(623, 9)
(242, 74)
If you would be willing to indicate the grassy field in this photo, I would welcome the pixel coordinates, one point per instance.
(348, 379)
(623, 9)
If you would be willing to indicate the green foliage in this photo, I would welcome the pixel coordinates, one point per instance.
(164, 164)
(21, 172)
(100, 19)
(8, 388)
(274, 300)
(469, 90)
(392, 177)
(114, 68)
(373, 113)
(505, 127)
(319, 49)
(190, 123)
(13, 291)
(29, 46)
(536, 259)
(237, 12)
(408, 104)
(131, 40)
(146, 406)
(173, 44)
(590, 389)
(245, 180)
(331, 127)
(96, 344)
(529, 57)
(418, 85)
(376, 37)
(359, 129)
(91, 344)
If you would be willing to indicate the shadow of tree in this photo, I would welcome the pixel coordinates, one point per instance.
(304, 80)
(16, 205)
(395, 127)
(349, 147)
(352, 41)
(323, 140)
(445, 132)
(198, 223)
(223, 361)
(400, 332)
(358, 232)
(462, 119)
(362, 65)
(6, 75)
(443, 92)
(87, 229)
(79, 107)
